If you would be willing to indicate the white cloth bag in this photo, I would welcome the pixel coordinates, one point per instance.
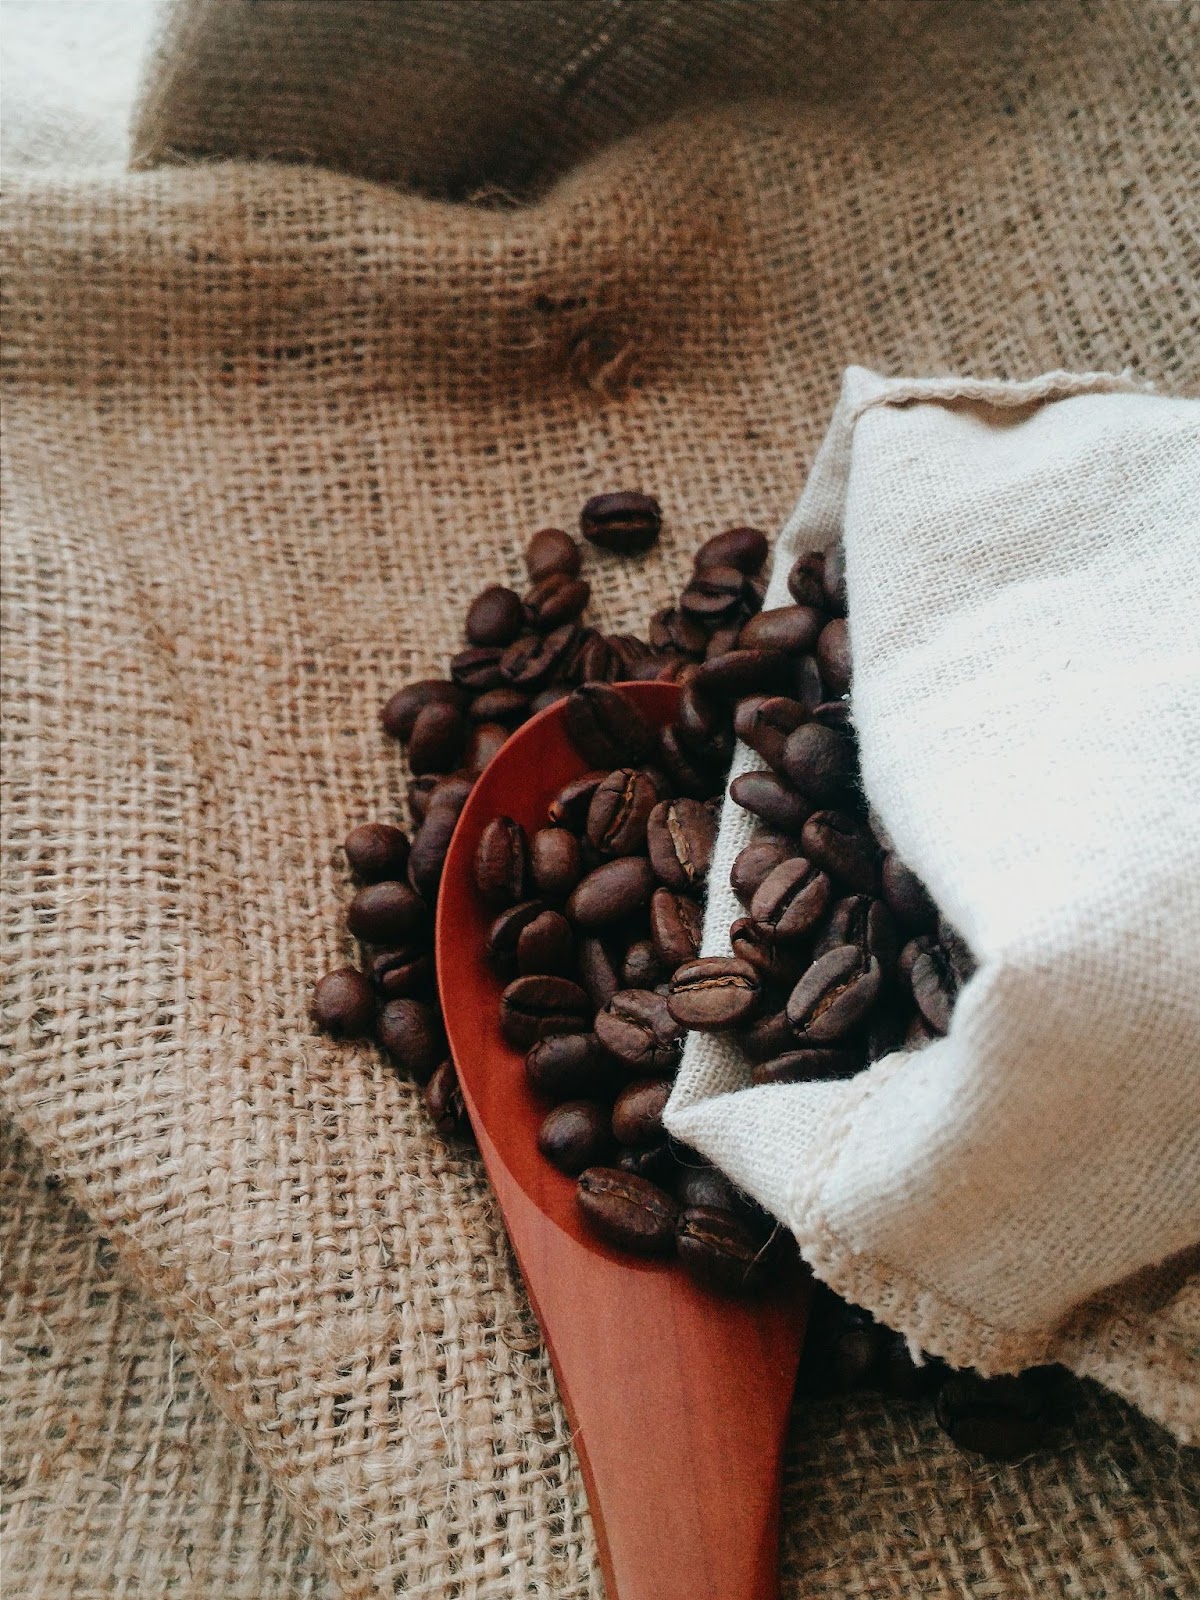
(1023, 571)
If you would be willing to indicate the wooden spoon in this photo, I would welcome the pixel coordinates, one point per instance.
(678, 1400)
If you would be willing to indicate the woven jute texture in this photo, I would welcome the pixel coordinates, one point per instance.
(267, 429)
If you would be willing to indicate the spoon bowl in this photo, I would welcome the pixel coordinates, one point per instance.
(678, 1400)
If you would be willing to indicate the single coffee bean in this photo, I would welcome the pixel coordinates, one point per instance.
(765, 722)
(627, 1211)
(593, 661)
(907, 897)
(1001, 1418)
(807, 1066)
(792, 898)
(819, 762)
(722, 1252)
(702, 724)
(641, 968)
(741, 672)
(772, 957)
(771, 798)
(856, 1345)
(616, 822)
(629, 653)
(770, 1036)
(598, 972)
(625, 523)
(412, 1034)
(676, 928)
(834, 996)
(958, 952)
(918, 1033)
(807, 686)
(450, 793)
(672, 629)
(406, 972)
(606, 727)
(570, 806)
(637, 1114)
(504, 935)
(484, 744)
(437, 739)
(495, 616)
(535, 1007)
(532, 660)
(680, 836)
(376, 850)
(713, 993)
(385, 913)
(477, 668)
(502, 863)
(833, 656)
(653, 1161)
(907, 958)
(687, 773)
(867, 924)
(703, 1185)
(445, 1103)
(555, 599)
(508, 706)
(570, 1066)
(835, 714)
(806, 580)
(755, 860)
(934, 987)
(554, 862)
(725, 638)
(611, 893)
(551, 695)
(713, 595)
(637, 1028)
(552, 550)
(794, 630)
(835, 579)
(743, 548)
(432, 839)
(402, 710)
(576, 1135)
(842, 847)
(546, 945)
(343, 1003)
(419, 791)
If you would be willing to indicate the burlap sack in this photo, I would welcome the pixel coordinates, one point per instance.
(266, 431)
(1023, 570)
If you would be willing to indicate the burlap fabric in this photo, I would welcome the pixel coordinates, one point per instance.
(266, 429)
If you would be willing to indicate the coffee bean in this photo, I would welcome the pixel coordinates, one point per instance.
(680, 836)
(1001, 1418)
(555, 599)
(552, 550)
(907, 896)
(819, 762)
(502, 863)
(495, 616)
(598, 972)
(412, 1034)
(430, 844)
(934, 986)
(672, 629)
(807, 1066)
(551, 695)
(722, 1252)
(406, 972)
(771, 798)
(687, 773)
(554, 862)
(418, 791)
(771, 956)
(445, 1103)
(770, 1036)
(676, 928)
(385, 913)
(856, 1346)
(530, 661)
(533, 1008)
(907, 958)
(833, 656)
(702, 724)
(958, 952)
(865, 923)
(834, 996)
(835, 578)
(637, 1114)
(546, 945)
(504, 935)
(713, 595)
(793, 630)
(376, 850)
(755, 860)
(743, 548)
(343, 1003)
(806, 683)
(842, 847)
(765, 722)
(611, 893)
(703, 1185)
(576, 1135)
(570, 1066)
(478, 668)
(593, 661)
(918, 1033)
(401, 711)
(835, 714)
(791, 898)
(625, 523)
(656, 1162)
(508, 706)
(627, 1211)
(621, 805)
(713, 993)
(725, 638)
(896, 1373)
(570, 805)
(437, 739)
(641, 968)
(806, 580)
(484, 744)
(629, 654)
(606, 727)
(450, 793)
(742, 672)
(638, 1029)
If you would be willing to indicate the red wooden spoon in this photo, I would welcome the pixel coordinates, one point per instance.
(678, 1400)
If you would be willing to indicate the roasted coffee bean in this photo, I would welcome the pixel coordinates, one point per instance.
(834, 577)
(502, 863)
(535, 1007)
(907, 958)
(483, 745)
(576, 1135)
(419, 791)
(680, 836)
(907, 896)
(806, 683)
(918, 1033)
(616, 821)
(640, 967)
(794, 630)
(402, 710)
(626, 522)
(555, 599)
(611, 893)
(598, 972)
(807, 1066)
(724, 639)
(554, 862)
(552, 550)
(569, 808)
(840, 845)
(504, 935)
(772, 957)
(770, 1036)
(508, 706)
(856, 1346)
(1001, 1418)
(743, 548)
(376, 850)
(450, 793)
(672, 629)
(771, 798)
(676, 928)
(637, 1028)
(835, 714)
(495, 616)
(958, 952)
(551, 695)
(478, 668)
(444, 1099)
(437, 739)
(700, 721)
(833, 656)
(713, 595)
(432, 840)
(934, 986)
(606, 727)
(570, 1066)
(532, 660)
(742, 672)
(819, 762)
(722, 1252)
(755, 860)
(834, 995)
(806, 580)
(628, 1211)
(765, 722)
(702, 1185)
(866, 923)
(546, 945)
(653, 1161)
(343, 1003)
(638, 1112)
(713, 993)
(385, 913)
(687, 773)
(412, 1034)
(792, 898)
(593, 661)
(405, 973)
